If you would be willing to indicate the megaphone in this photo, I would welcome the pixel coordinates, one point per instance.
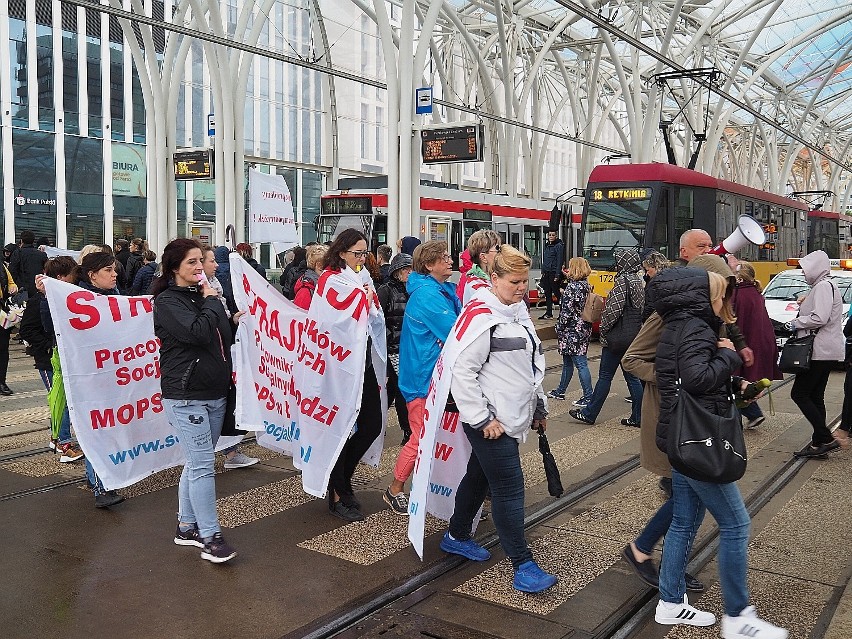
(748, 231)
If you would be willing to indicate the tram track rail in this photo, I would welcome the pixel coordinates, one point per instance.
(619, 626)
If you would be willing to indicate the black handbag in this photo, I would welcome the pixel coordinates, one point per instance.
(626, 328)
(796, 354)
(702, 445)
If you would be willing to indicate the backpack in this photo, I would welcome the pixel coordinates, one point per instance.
(288, 286)
(593, 308)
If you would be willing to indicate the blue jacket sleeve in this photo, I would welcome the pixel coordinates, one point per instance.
(439, 313)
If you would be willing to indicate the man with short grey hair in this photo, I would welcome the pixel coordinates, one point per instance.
(693, 243)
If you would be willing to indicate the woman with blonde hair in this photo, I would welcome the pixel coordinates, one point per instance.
(572, 332)
(756, 327)
(692, 359)
(499, 397)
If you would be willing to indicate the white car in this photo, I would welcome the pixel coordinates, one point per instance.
(788, 286)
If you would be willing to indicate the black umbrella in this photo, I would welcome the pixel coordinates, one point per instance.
(554, 482)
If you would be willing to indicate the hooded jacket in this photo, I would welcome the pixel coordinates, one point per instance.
(465, 264)
(688, 346)
(627, 283)
(223, 273)
(821, 310)
(408, 244)
(430, 313)
(393, 298)
(304, 288)
(143, 279)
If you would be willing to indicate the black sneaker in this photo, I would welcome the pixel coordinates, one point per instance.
(693, 584)
(629, 422)
(107, 499)
(217, 550)
(546, 316)
(189, 537)
(346, 513)
(666, 486)
(578, 415)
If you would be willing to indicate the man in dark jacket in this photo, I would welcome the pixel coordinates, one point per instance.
(551, 270)
(247, 253)
(122, 251)
(27, 262)
(223, 273)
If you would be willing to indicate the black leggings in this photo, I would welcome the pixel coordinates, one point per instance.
(4, 353)
(399, 401)
(809, 394)
(369, 426)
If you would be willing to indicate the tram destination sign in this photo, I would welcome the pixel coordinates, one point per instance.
(452, 144)
(196, 164)
(621, 194)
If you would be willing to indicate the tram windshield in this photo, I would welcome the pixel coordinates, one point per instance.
(610, 224)
(331, 225)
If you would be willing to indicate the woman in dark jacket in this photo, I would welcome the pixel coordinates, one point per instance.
(393, 298)
(573, 332)
(692, 305)
(756, 327)
(145, 275)
(195, 360)
(138, 246)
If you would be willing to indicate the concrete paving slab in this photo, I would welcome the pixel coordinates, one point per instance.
(840, 626)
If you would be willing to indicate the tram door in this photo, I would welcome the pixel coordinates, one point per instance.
(511, 234)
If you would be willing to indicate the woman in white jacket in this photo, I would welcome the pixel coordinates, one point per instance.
(496, 384)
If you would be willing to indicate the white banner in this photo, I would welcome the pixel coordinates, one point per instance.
(111, 370)
(271, 216)
(52, 251)
(444, 449)
(331, 375)
(267, 347)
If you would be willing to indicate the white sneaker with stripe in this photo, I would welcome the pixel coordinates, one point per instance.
(747, 625)
(671, 614)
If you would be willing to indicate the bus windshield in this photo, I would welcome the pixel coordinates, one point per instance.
(609, 225)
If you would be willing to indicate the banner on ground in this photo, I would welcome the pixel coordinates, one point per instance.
(271, 216)
(444, 449)
(111, 371)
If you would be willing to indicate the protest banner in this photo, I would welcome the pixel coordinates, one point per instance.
(444, 449)
(266, 353)
(111, 371)
(330, 374)
(271, 216)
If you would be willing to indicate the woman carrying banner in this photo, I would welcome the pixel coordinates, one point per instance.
(306, 284)
(496, 383)
(195, 363)
(98, 274)
(349, 251)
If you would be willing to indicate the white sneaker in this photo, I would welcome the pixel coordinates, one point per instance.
(240, 461)
(670, 614)
(754, 423)
(749, 626)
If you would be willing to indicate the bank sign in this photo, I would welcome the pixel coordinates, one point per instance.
(128, 170)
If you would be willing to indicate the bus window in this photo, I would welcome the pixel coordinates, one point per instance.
(533, 244)
(614, 218)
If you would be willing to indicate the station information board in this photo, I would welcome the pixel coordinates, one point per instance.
(452, 144)
(194, 165)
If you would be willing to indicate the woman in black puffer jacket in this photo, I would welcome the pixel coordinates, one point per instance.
(692, 305)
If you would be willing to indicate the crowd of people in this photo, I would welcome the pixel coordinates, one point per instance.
(696, 325)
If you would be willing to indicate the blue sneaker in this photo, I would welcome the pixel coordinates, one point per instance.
(468, 548)
(530, 578)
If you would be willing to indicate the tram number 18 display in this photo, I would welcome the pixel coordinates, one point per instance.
(622, 194)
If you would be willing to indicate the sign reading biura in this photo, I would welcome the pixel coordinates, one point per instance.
(128, 169)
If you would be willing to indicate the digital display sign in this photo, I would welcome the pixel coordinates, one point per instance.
(621, 194)
(346, 206)
(193, 165)
(452, 144)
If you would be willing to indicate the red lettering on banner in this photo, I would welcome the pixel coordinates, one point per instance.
(358, 296)
(145, 302)
(112, 302)
(128, 353)
(75, 305)
(471, 311)
(126, 413)
(442, 451)
(450, 421)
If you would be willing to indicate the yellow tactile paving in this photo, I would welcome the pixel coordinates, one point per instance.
(365, 542)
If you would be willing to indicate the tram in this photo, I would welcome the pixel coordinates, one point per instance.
(448, 214)
(651, 205)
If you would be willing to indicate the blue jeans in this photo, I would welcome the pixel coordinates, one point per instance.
(495, 464)
(198, 423)
(725, 503)
(569, 362)
(94, 480)
(609, 365)
(752, 411)
(656, 528)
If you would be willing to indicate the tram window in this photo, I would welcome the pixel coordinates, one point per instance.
(749, 208)
(471, 227)
(660, 240)
(612, 224)
(533, 244)
(684, 213)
